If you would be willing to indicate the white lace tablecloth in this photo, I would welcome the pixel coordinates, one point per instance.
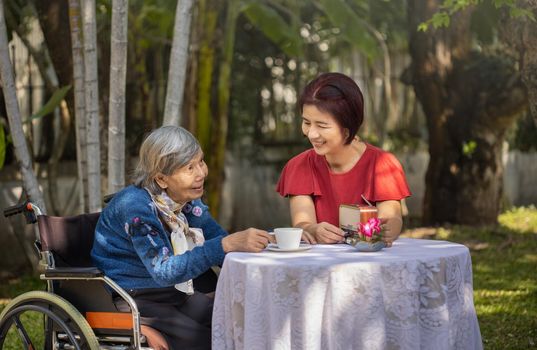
(415, 295)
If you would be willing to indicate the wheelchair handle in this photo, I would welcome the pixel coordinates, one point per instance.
(29, 209)
(16, 209)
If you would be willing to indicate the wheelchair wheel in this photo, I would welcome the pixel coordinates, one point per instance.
(42, 320)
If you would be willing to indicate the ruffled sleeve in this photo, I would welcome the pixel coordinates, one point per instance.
(298, 177)
(388, 179)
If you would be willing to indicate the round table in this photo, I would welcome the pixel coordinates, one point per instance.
(415, 295)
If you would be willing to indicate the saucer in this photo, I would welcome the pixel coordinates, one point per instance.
(275, 248)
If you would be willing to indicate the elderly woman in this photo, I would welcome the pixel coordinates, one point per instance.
(156, 239)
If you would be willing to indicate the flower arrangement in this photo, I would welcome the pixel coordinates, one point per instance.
(370, 231)
(368, 234)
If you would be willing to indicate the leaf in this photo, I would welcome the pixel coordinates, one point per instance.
(423, 26)
(500, 3)
(3, 146)
(451, 7)
(468, 148)
(51, 104)
(352, 27)
(274, 27)
(440, 19)
(517, 12)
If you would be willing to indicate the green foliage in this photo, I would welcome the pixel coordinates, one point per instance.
(514, 10)
(274, 26)
(521, 219)
(323, 30)
(3, 146)
(10, 288)
(157, 22)
(468, 148)
(485, 22)
(19, 15)
(447, 9)
(439, 19)
(451, 7)
(404, 140)
(353, 27)
(51, 104)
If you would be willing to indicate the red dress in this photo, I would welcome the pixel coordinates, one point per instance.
(377, 175)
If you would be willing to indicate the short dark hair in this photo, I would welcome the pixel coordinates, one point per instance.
(339, 95)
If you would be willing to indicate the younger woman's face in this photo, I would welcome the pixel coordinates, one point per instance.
(325, 134)
(186, 182)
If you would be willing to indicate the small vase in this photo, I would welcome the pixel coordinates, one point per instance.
(363, 246)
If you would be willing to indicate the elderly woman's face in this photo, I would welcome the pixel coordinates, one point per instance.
(186, 183)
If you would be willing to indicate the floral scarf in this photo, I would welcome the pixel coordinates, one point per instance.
(182, 236)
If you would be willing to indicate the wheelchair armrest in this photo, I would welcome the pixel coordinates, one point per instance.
(73, 272)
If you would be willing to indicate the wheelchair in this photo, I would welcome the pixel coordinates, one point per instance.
(77, 309)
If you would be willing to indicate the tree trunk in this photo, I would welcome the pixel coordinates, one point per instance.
(30, 183)
(521, 34)
(57, 151)
(53, 19)
(118, 73)
(208, 19)
(178, 63)
(52, 14)
(191, 93)
(469, 100)
(219, 138)
(77, 46)
(92, 105)
(389, 99)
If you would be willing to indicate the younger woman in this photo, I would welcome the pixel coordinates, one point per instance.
(340, 168)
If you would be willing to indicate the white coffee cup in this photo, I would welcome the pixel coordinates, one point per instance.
(288, 237)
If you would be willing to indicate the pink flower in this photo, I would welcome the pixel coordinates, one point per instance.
(370, 228)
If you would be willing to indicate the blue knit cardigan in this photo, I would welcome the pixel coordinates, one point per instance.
(132, 247)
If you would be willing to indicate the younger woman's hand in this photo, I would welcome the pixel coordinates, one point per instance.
(324, 233)
(308, 237)
(391, 221)
(389, 234)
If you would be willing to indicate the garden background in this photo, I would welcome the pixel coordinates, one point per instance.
(456, 101)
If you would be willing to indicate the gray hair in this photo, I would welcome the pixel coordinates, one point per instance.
(163, 151)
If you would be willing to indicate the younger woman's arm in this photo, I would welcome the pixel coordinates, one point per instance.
(303, 216)
(391, 218)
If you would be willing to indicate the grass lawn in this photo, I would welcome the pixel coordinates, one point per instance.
(32, 321)
(504, 259)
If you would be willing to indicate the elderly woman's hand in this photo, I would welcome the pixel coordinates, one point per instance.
(250, 240)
